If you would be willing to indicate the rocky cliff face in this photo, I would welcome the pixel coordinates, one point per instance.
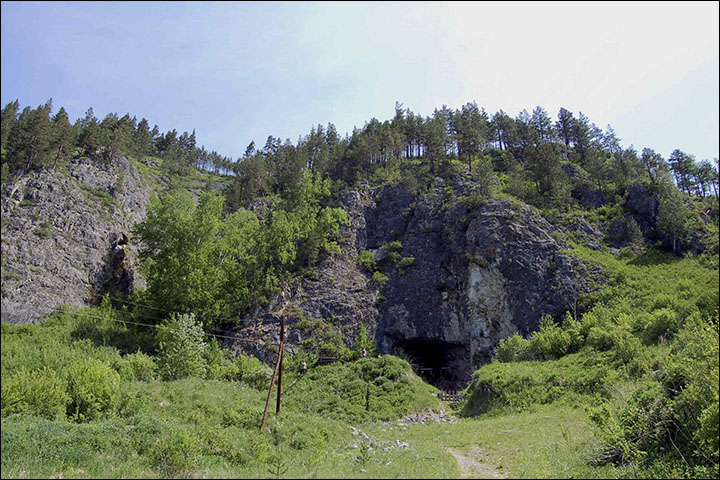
(461, 273)
(336, 300)
(463, 278)
(65, 236)
(479, 274)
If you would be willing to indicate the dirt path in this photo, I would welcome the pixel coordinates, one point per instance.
(472, 465)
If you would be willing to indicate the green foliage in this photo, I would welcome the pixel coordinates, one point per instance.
(189, 254)
(197, 258)
(364, 343)
(550, 341)
(39, 392)
(394, 246)
(254, 373)
(648, 349)
(661, 324)
(137, 366)
(406, 262)
(513, 349)
(219, 364)
(94, 389)
(366, 259)
(671, 418)
(341, 391)
(181, 348)
(673, 215)
(502, 387)
(176, 453)
(379, 279)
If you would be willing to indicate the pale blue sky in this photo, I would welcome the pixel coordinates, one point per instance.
(240, 71)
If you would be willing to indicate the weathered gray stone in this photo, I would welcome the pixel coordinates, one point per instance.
(59, 231)
(478, 276)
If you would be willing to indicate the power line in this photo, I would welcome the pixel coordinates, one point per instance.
(170, 311)
(81, 315)
(161, 309)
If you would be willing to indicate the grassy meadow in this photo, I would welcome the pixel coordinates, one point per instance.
(628, 390)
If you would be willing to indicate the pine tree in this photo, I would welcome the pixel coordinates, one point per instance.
(91, 135)
(564, 126)
(63, 138)
(8, 119)
(29, 141)
(142, 140)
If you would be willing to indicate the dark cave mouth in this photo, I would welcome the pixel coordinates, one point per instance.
(445, 365)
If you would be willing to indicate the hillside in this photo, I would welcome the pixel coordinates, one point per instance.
(568, 287)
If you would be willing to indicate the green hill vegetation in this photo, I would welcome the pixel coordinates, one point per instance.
(625, 385)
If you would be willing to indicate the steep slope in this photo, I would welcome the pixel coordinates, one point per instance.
(462, 277)
(65, 235)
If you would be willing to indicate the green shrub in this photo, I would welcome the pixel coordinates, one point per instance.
(243, 417)
(367, 389)
(94, 389)
(254, 373)
(379, 279)
(176, 453)
(394, 246)
(39, 392)
(406, 262)
(220, 366)
(137, 366)
(600, 338)
(682, 404)
(550, 341)
(661, 323)
(366, 259)
(500, 387)
(513, 349)
(574, 329)
(588, 321)
(228, 444)
(627, 346)
(181, 348)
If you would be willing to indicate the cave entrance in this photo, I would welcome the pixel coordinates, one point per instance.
(442, 364)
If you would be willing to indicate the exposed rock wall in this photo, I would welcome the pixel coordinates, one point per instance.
(338, 293)
(62, 235)
(466, 275)
(478, 275)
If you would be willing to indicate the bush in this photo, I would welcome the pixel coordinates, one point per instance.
(406, 262)
(254, 373)
(627, 345)
(39, 393)
(379, 279)
(181, 348)
(683, 404)
(394, 246)
(574, 329)
(366, 259)
(513, 349)
(176, 453)
(94, 389)
(600, 338)
(550, 341)
(661, 323)
(220, 366)
(137, 366)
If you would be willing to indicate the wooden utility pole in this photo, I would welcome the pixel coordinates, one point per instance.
(280, 361)
(277, 373)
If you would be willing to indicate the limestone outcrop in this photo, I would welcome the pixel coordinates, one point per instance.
(62, 236)
(464, 278)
